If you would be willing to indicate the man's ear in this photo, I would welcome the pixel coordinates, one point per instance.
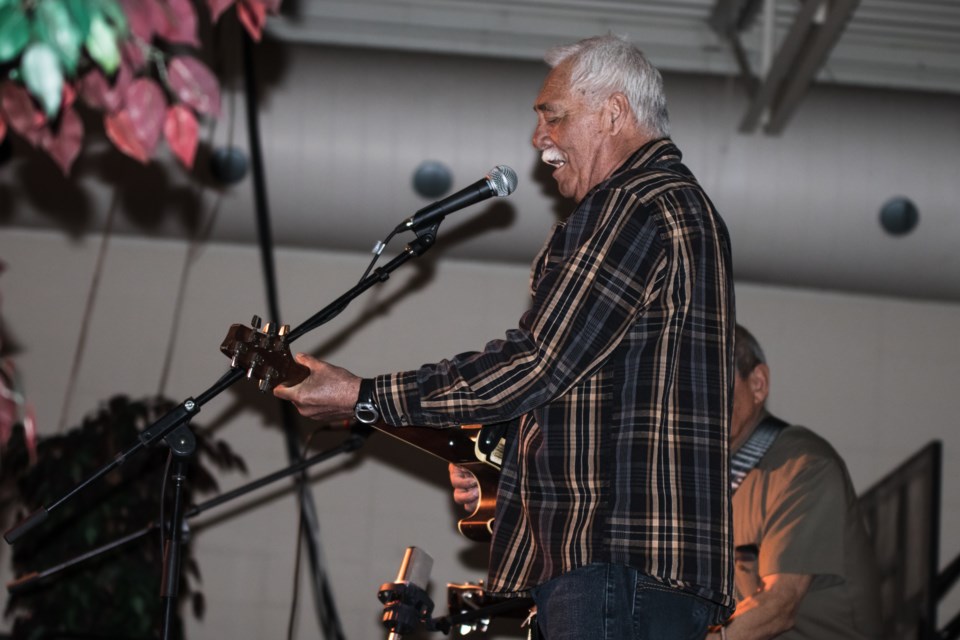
(617, 112)
(759, 381)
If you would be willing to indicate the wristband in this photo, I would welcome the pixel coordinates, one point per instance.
(366, 409)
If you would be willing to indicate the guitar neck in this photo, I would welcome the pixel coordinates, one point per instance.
(453, 444)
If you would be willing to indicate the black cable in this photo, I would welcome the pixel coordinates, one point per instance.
(295, 596)
(298, 551)
(329, 619)
(163, 499)
(377, 250)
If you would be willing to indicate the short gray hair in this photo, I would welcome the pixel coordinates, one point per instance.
(604, 65)
(747, 352)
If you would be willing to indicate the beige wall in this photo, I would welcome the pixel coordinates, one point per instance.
(876, 376)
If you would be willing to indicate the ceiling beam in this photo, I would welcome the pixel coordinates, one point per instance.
(728, 19)
(733, 16)
(816, 28)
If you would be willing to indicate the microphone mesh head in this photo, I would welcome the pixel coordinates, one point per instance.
(502, 179)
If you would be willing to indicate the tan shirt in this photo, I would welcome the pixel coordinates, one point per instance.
(796, 512)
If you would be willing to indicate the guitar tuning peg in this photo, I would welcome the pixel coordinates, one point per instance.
(254, 363)
(268, 328)
(284, 330)
(255, 323)
(265, 381)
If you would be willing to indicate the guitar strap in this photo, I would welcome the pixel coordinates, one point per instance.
(759, 442)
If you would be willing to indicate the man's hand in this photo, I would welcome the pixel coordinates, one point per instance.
(328, 394)
(772, 610)
(466, 491)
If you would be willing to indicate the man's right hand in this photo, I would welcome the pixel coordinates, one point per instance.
(466, 491)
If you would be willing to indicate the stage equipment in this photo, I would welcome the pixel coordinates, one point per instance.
(173, 427)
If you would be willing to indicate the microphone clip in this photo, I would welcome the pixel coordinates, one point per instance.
(405, 605)
(426, 237)
(405, 601)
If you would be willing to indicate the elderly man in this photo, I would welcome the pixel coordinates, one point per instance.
(805, 565)
(613, 501)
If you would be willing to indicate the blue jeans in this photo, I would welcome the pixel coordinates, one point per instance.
(615, 602)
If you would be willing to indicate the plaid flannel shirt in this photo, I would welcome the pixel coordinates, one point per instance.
(620, 378)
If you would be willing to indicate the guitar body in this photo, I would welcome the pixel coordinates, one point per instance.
(458, 445)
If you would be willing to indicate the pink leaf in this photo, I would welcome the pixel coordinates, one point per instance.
(21, 113)
(64, 146)
(180, 22)
(147, 106)
(69, 96)
(122, 133)
(140, 17)
(194, 84)
(217, 7)
(132, 54)
(181, 131)
(136, 128)
(96, 92)
(253, 16)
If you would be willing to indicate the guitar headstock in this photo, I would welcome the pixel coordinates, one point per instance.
(263, 353)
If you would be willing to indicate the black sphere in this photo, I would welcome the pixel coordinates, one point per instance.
(228, 165)
(432, 179)
(899, 216)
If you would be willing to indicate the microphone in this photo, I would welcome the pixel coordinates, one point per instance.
(405, 601)
(501, 181)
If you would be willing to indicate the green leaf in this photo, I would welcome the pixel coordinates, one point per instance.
(42, 76)
(54, 26)
(90, 534)
(114, 14)
(81, 12)
(102, 45)
(14, 31)
(138, 605)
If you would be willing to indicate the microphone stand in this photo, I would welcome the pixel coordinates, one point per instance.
(177, 420)
(359, 434)
(425, 238)
(183, 445)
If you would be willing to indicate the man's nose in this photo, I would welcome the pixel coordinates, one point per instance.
(539, 139)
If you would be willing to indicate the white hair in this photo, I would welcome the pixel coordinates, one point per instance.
(604, 65)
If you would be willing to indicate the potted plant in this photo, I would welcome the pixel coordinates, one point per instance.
(114, 594)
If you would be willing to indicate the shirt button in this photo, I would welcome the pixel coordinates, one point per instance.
(404, 420)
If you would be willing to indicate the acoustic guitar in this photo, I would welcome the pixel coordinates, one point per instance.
(265, 356)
